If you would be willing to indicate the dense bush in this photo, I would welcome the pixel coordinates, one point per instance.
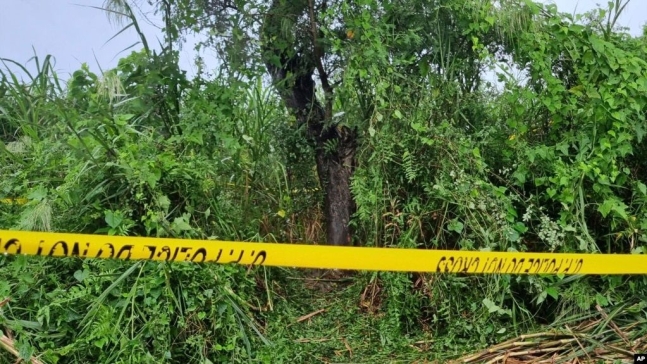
(550, 163)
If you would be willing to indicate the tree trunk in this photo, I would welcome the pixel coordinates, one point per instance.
(334, 149)
(292, 67)
(335, 169)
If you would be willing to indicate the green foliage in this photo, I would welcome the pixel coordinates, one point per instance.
(115, 312)
(554, 162)
(99, 164)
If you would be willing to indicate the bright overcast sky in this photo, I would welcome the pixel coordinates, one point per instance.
(75, 34)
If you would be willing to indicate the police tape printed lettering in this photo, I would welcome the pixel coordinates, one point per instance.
(460, 264)
(202, 252)
(463, 265)
(125, 248)
(186, 250)
(316, 256)
(239, 257)
(108, 250)
(112, 251)
(12, 243)
(261, 253)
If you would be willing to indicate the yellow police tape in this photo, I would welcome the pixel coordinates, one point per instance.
(316, 256)
(13, 201)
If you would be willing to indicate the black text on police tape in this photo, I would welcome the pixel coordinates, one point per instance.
(460, 264)
(124, 251)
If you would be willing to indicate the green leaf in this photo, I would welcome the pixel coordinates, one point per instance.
(614, 205)
(601, 300)
(123, 119)
(619, 115)
(397, 114)
(641, 187)
(542, 297)
(520, 227)
(597, 44)
(577, 90)
(164, 202)
(153, 177)
(513, 235)
(38, 194)
(455, 225)
(490, 305)
(552, 291)
(113, 219)
(424, 69)
(196, 137)
(640, 132)
(180, 224)
(563, 147)
(81, 275)
(520, 176)
(605, 207)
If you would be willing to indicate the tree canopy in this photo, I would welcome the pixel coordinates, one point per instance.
(375, 123)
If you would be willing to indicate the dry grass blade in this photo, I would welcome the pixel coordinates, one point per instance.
(613, 324)
(583, 340)
(312, 340)
(578, 342)
(305, 317)
(350, 351)
(8, 344)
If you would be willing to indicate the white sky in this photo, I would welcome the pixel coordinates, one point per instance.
(75, 34)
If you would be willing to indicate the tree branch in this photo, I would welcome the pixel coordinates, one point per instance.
(318, 54)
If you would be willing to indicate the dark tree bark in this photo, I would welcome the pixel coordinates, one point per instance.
(292, 67)
(337, 170)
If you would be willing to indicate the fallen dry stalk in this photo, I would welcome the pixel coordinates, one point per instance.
(585, 340)
(8, 344)
(305, 317)
(578, 342)
(613, 324)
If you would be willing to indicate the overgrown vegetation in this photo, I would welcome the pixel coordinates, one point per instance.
(439, 158)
